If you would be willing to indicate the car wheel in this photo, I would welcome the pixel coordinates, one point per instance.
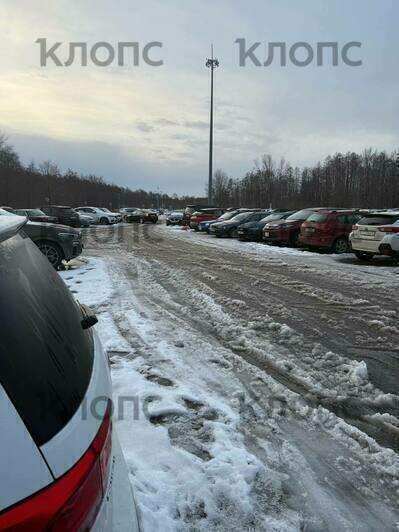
(294, 239)
(167, 223)
(52, 251)
(104, 221)
(341, 245)
(361, 255)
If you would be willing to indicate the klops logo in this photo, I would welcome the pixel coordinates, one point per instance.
(300, 54)
(100, 54)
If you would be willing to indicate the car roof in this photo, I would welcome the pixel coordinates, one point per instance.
(10, 224)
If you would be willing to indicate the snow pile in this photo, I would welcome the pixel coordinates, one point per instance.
(359, 373)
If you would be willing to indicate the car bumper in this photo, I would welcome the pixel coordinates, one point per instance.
(367, 246)
(249, 235)
(386, 249)
(315, 241)
(276, 236)
(72, 250)
(118, 512)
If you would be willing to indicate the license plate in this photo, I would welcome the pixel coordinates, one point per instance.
(310, 230)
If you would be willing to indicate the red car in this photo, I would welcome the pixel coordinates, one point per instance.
(286, 231)
(329, 229)
(204, 215)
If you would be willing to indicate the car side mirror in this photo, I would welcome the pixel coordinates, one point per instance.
(89, 318)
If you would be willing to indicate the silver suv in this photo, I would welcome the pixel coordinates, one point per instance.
(60, 461)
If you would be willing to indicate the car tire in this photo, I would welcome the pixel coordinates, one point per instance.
(294, 239)
(362, 255)
(52, 251)
(167, 223)
(104, 221)
(341, 245)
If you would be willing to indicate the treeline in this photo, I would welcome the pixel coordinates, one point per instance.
(368, 180)
(35, 186)
(364, 180)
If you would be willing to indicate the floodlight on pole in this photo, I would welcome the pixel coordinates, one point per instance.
(211, 63)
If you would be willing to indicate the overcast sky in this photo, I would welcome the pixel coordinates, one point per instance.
(147, 127)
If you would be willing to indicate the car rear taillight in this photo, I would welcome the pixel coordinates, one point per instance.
(389, 229)
(72, 502)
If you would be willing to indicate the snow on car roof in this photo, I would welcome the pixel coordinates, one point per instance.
(10, 224)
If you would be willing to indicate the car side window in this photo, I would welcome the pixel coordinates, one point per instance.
(353, 218)
(342, 219)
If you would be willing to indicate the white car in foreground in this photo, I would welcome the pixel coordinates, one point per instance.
(390, 243)
(101, 215)
(369, 232)
(60, 461)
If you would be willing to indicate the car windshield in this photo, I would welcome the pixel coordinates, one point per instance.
(318, 218)
(242, 216)
(379, 219)
(300, 215)
(176, 213)
(228, 215)
(273, 217)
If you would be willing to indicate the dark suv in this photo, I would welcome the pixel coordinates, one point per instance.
(56, 242)
(329, 229)
(64, 215)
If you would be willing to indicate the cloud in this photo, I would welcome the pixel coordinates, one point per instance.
(143, 126)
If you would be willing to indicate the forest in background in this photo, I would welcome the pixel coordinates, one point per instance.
(368, 180)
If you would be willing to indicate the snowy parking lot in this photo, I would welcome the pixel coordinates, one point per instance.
(255, 387)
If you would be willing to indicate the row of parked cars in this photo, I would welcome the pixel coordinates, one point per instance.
(366, 233)
(55, 229)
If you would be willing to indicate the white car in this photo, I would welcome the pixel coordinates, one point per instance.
(368, 233)
(60, 460)
(102, 216)
(390, 243)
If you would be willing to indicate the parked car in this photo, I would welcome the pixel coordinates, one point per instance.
(127, 210)
(287, 231)
(228, 215)
(57, 242)
(329, 229)
(174, 218)
(64, 215)
(190, 209)
(117, 214)
(390, 243)
(36, 215)
(368, 233)
(204, 215)
(229, 228)
(61, 461)
(252, 231)
(141, 216)
(100, 216)
(86, 220)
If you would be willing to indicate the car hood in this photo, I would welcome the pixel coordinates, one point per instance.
(57, 227)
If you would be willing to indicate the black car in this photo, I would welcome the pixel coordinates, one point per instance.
(36, 215)
(230, 227)
(64, 215)
(141, 216)
(252, 231)
(56, 242)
